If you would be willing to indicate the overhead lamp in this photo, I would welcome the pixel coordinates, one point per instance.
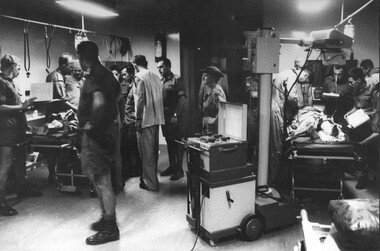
(312, 6)
(87, 7)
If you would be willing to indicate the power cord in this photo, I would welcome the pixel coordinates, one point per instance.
(199, 223)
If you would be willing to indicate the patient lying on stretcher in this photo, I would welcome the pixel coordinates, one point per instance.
(311, 122)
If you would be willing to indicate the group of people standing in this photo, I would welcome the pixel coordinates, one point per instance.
(119, 111)
(356, 88)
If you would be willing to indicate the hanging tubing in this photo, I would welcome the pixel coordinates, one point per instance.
(48, 40)
(26, 50)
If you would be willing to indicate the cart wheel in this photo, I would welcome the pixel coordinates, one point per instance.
(94, 194)
(292, 195)
(213, 243)
(59, 186)
(192, 227)
(251, 227)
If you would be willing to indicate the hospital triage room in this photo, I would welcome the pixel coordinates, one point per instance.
(189, 125)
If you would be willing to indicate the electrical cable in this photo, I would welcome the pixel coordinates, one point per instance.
(47, 47)
(26, 50)
(199, 223)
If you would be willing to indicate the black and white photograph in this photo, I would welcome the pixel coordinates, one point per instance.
(189, 125)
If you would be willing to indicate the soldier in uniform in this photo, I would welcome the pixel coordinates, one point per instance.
(338, 84)
(173, 96)
(211, 99)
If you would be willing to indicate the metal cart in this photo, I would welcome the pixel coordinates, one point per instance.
(67, 167)
(318, 167)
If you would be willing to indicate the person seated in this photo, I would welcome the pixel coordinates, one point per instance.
(337, 83)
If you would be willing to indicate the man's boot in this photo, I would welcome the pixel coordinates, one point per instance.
(98, 225)
(5, 209)
(110, 232)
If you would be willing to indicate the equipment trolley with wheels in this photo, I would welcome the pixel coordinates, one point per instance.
(221, 185)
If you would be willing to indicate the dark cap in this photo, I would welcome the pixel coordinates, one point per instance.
(213, 70)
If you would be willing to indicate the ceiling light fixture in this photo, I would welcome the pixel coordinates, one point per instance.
(90, 8)
(312, 6)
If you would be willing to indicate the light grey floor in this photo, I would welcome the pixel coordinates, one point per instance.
(147, 220)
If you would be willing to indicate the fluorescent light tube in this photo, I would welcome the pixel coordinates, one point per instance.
(88, 8)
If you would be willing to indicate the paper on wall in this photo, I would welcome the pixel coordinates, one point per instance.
(43, 91)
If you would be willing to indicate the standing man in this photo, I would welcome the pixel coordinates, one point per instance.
(174, 96)
(57, 77)
(211, 98)
(12, 132)
(65, 67)
(97, 114)
(252, 90)
(149, 116)
(73, 84)
(287, 98)
(129, 150)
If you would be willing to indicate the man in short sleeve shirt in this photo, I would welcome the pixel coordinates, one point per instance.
(97, 115)
(173, 96)
(13, 128)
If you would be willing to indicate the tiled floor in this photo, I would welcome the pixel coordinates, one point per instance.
(147, 220)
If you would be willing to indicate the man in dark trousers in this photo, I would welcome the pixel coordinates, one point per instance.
(173, 97)
(12, 132)
(97, 114)
(129, 150)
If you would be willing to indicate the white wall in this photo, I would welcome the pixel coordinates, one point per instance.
(140, 30)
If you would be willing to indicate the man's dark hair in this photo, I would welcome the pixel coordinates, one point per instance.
(338, 67)
(356, 73)
(167, 62)
(129, 67)
(115, 67)
(88, 50)
(367, 64)
(140, 60)
(64, 59)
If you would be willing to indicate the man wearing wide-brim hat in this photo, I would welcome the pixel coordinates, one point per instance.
(211, 98)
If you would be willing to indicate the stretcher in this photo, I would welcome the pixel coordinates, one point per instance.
(66, 159)
(319, 166)
(318, 237)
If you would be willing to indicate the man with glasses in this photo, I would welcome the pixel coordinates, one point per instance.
(12, 133)
(65, 67)
(73, 84)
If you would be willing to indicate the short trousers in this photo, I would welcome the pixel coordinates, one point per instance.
(98, 160)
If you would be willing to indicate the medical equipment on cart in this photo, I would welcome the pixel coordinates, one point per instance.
(221, 185)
